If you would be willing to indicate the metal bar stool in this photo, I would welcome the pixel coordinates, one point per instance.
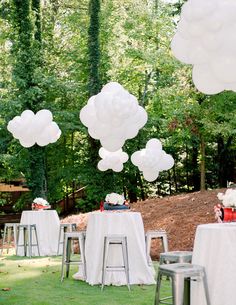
(155, 234)
(66, 256)
(64, 227)
(176, 257)
(27, 230)
(115, 240)
(179, 273)
(10, 230)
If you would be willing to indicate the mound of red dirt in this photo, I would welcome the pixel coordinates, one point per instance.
(179, 215)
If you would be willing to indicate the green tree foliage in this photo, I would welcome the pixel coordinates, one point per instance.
(57, 54)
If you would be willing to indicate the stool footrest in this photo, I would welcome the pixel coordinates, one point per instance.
(115, 268)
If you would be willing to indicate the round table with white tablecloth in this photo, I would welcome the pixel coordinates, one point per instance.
(215, 249)
(122, 223)
(47, 224)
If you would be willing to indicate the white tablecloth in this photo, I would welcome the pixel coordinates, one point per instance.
(215, 249)
(126, 223)
(48, 224)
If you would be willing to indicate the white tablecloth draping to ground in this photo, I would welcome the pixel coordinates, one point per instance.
(215, 249)
(47, 224)
(123, 223)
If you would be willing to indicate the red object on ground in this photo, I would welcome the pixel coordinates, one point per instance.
(229, 214)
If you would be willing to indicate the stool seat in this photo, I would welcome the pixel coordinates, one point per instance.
(64, 227)
(179, 273)
(28, 230)
(176, 257)
(66, 256)
(10, 228)
(155, 234)
(110, 240)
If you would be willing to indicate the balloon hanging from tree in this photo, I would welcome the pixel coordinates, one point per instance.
(113, 116)
(206, 39)
(152, 159)
(30, 128)
(112, 160)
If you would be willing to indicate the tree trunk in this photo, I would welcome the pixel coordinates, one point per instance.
(27, 51)
(202, 165)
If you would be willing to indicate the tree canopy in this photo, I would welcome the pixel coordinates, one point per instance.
(56, 54)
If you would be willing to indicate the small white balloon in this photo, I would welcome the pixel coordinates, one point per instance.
(87, 115)
(117, 167)
(205, 81)
(166, 162)
(154, 144)
(45, 115)
(112, 144)
(101, 166)
(180, 48)
(135, 157)
(112, 160)
(150, 176)
(27, 143)
(112, 87)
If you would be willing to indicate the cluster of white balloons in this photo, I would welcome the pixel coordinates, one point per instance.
(113, 116)
(30, 128)
(152, 159)
(206, 39)
(228, 198)
(112, 160)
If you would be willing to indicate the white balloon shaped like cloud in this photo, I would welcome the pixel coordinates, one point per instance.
(152, 159)
(113, 116)
(112, 160)
(206, 39)
(30, 128)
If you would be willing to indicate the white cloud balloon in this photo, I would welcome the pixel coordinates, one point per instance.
(30, 128)
(112, 160)
(113, 116)
(152, 159)
(206, 39)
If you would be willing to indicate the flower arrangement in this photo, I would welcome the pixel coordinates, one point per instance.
(226, 210)
(40, 204)
(114, 201)
(114, 198)
(228, 199)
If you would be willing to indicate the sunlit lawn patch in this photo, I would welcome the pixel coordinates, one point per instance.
(36, 281)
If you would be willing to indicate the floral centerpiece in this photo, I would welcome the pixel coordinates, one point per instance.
(40, 204)
(115, 201)
(227, 210)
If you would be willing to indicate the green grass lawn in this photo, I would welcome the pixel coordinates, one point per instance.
(36, 281)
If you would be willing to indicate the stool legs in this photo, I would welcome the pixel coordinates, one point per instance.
(206, 288)
(27, 239)
(178, 289)
(106, 248)
(126, 261)
(4, 239)
(66, 256)
(156, 234)
(68, 227)
(9, 228)
(15, 236)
